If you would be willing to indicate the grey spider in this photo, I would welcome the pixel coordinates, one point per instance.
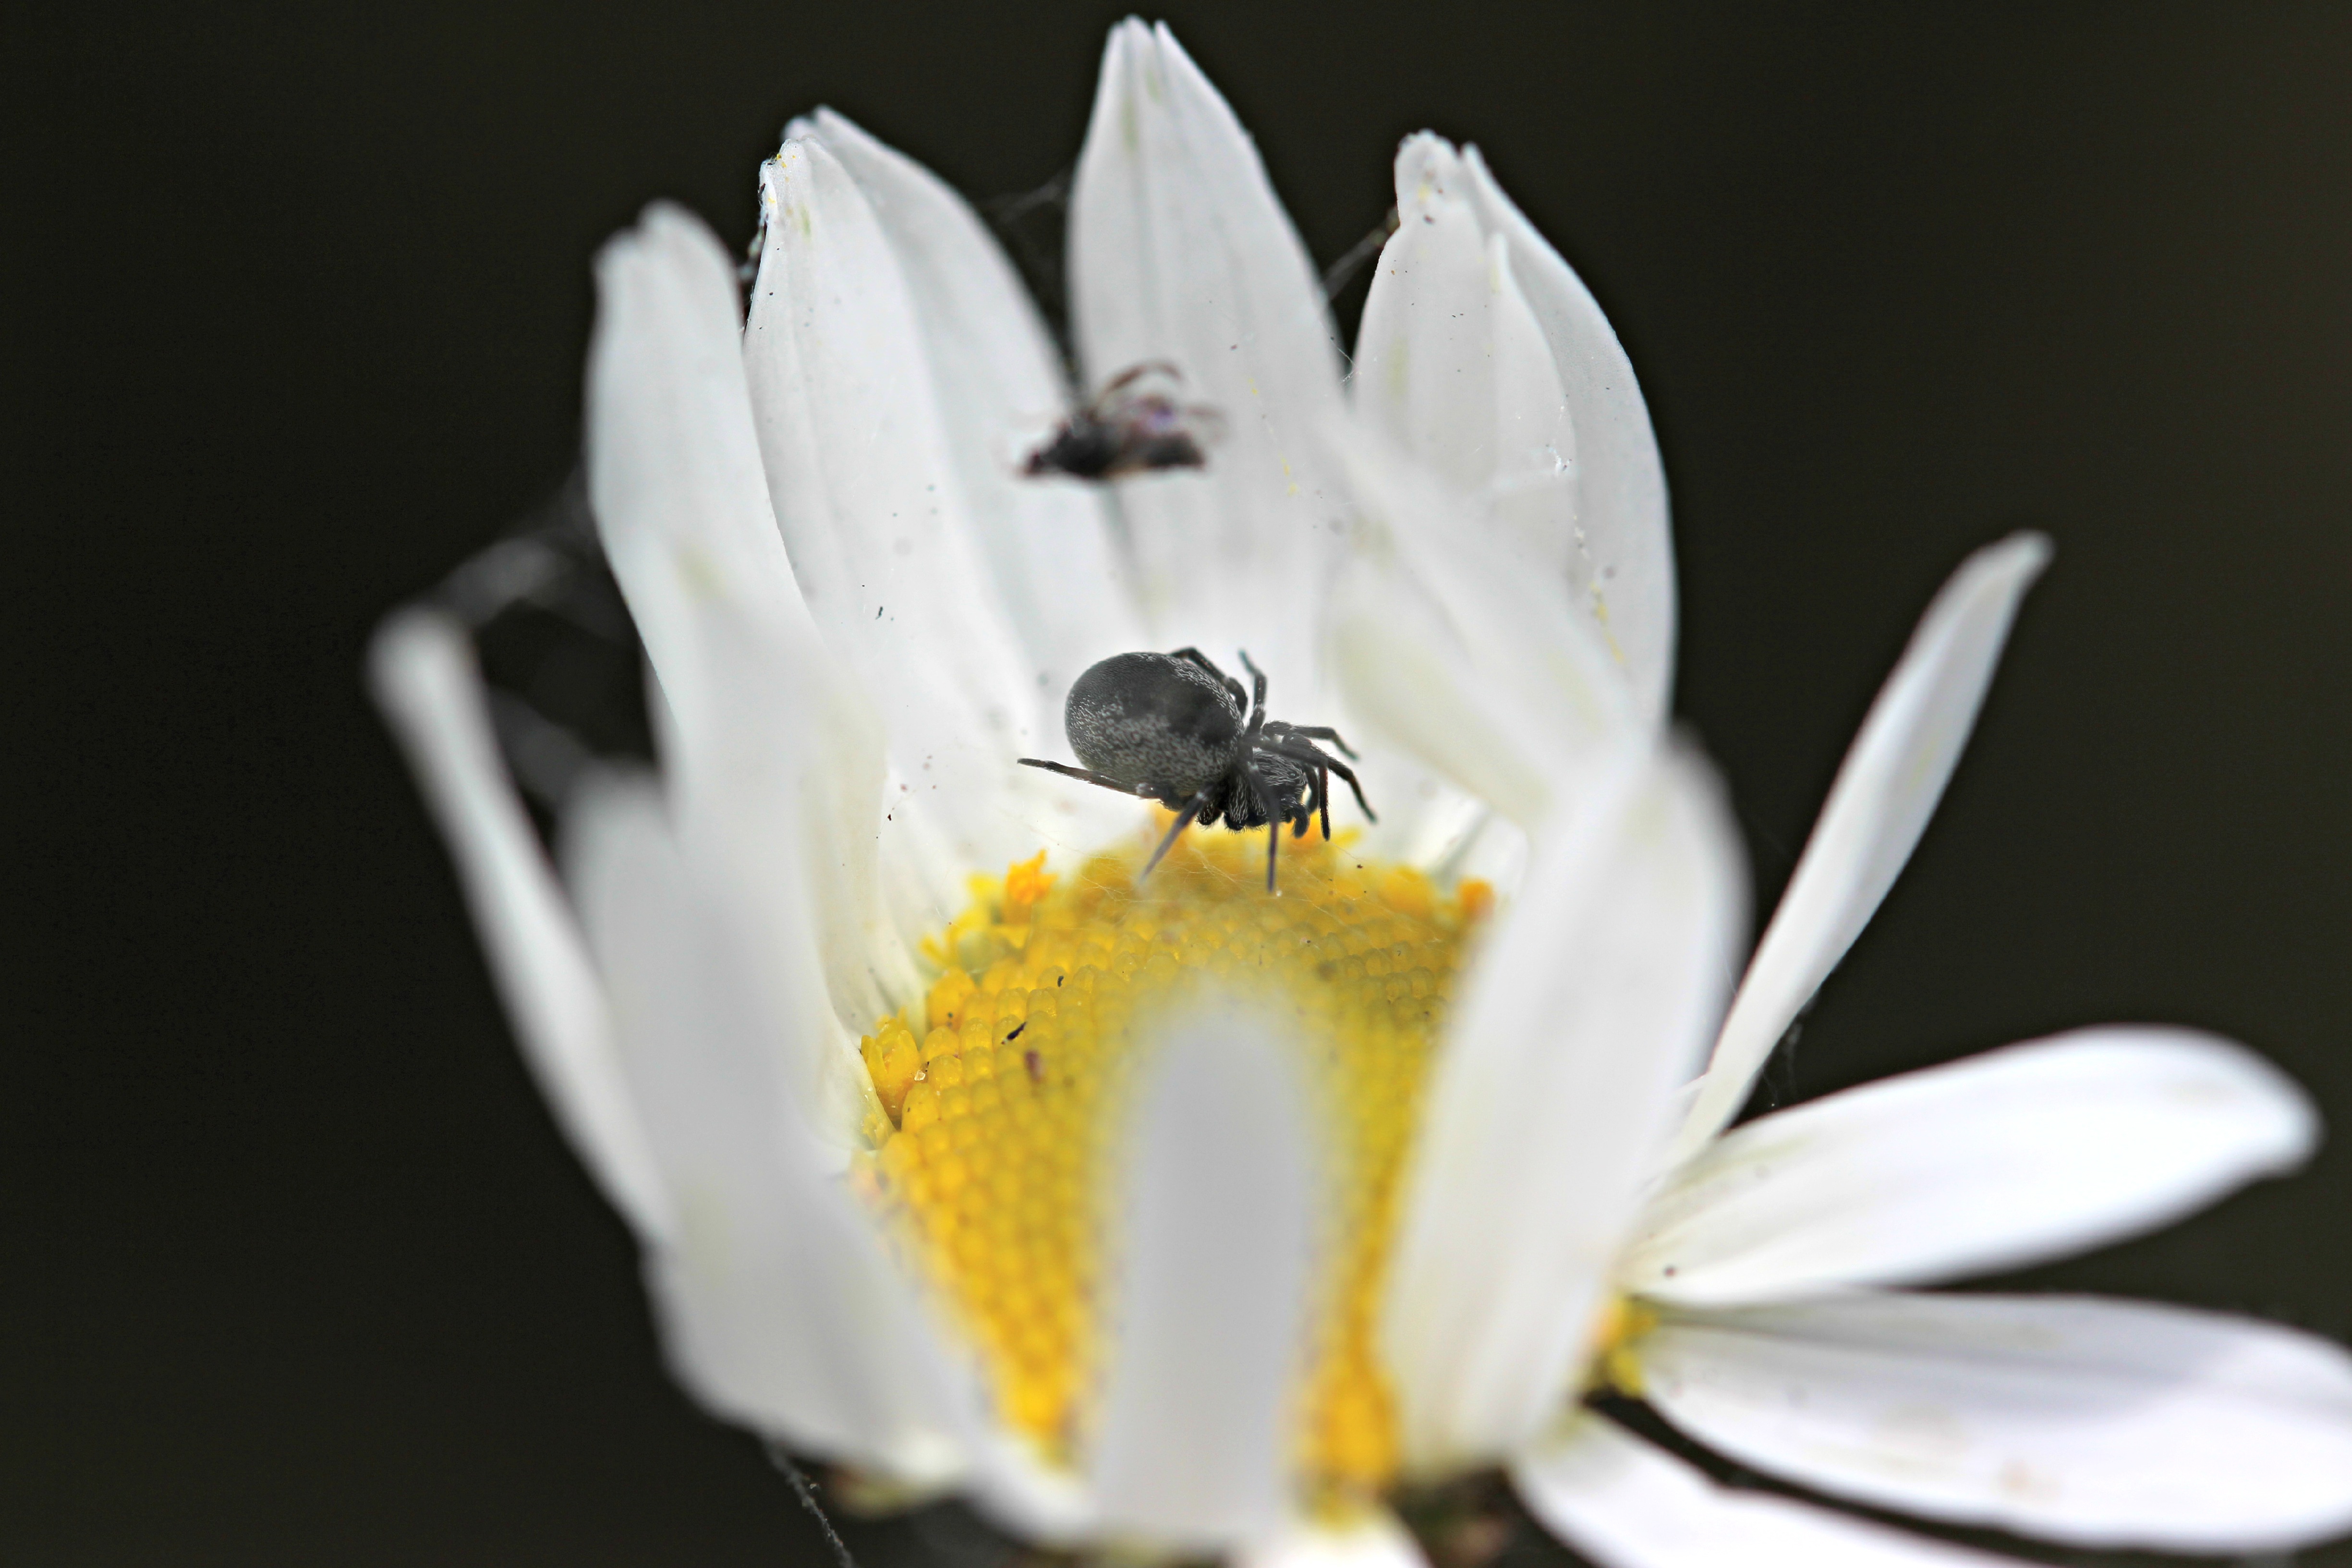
(1173, 727)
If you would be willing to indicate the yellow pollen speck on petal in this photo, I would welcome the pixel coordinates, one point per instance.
(1012, 1102)
(1601, 617)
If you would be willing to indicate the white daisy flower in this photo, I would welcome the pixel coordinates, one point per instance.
(1182, 1215)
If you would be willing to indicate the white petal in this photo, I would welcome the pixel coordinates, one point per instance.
(1427, 353)
(2004, 1159)
(1452, 366)
(2099, 1423)
(673, 472)
(1196, 1431)
(1180, 252)
(422, 675)
(780, 1308)
(1587, 1007)
(776, 825)
(1429, 823)
(1623, 566)
(1399, 666)
(1885, 793)
(1452, 652)
(1374, 1541)
(1029, 1494)
(1628, 1504)
(681, 504)
(869, 497)
(1049, 547)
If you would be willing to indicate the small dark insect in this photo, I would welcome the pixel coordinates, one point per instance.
(1131, 426)
(1169, 727)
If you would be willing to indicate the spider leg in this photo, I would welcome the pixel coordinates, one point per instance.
(1323, 799)
(1194, 656)
(1274, 818)
(1321, 732)
(1257, 693)
(1302, 751)
(1183, 820)
(1120, 401)
(1105, 780)
(1136, 373)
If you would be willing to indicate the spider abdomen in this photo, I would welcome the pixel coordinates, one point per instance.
(1151, 719)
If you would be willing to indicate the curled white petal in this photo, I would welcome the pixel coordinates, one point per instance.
(1622, 563)
(1628, 1504)
(1885, 793)
(2094, 1422)
(1589, 1003)
(423, 674)
(2001, 1160)
(1180, 252)
(1452, 366)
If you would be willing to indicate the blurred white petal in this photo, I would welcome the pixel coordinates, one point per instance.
(756, 808)
(1892, 778)
(674, 474)
(1180, 252)
(1397, 663)
(1452, 652)
(779, 1306)
(1593, 997)
(1623, 566)
(2005, 1159)
(422, 671)
(674, 481)
(1374, 1541)
(1193, 1445)
(1629, 1504)
(2097, 1423)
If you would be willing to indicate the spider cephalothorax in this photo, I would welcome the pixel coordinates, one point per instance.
(1173, 727)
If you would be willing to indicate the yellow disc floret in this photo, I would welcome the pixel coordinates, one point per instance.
(1612, 1361)
(1003, 1097)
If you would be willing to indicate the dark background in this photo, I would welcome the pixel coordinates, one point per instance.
(298, 1268)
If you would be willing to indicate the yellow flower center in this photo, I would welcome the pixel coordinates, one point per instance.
(1613, 1362)
(1002, 1100)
